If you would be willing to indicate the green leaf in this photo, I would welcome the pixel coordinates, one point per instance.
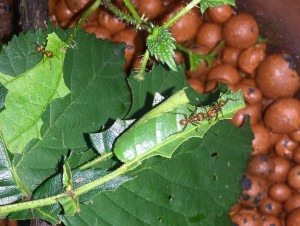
(48, 213)
(213, 3)
(67, 179)
(197, 186)
(78, 157)
(28, 96)
(161, 45)
(160, 80)
(159, 132)
(93, 71)
(103, 141)
(9, 190)
(19, 55)
(70, 205)
(195, 59)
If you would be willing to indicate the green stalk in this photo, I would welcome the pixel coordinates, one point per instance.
(117, 12)
(53, 199)
(132, 11)
(84, 188)
(187, 51)
(29, 204)
(84, 17)
(181, 13)
(145, 59)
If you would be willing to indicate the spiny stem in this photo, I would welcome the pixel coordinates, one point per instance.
(122, 15)
(132, 11)
(140, 75)
(181, 13)
(96, 160)
(84, 17)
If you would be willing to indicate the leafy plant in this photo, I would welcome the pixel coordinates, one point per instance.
(67, 145)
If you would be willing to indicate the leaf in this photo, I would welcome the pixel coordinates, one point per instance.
(195, 59)
(161, 45)
(103, 141)
(160, 132)
(28, 96)
(48, 213)
(214, 3)
(70, 205)
(9, 190)
(78, 157)
(160, 80)
(93, 71)
(67, 179)
(19, 55)
(197, 186)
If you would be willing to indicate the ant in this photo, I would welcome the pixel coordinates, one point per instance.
(216, 108)
(193, 119)
(42, 50)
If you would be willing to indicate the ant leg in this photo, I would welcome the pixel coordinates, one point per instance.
(196, 124)
(183, 128)
(184, 115)
(193, 111)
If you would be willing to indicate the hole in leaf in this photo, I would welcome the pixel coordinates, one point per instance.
(214, 154)
(161, 220)
(214, 177)
(170, 197)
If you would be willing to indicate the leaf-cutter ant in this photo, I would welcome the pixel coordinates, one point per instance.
(193, 119)
(43, 51)
(215, 108)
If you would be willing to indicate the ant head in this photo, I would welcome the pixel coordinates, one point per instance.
(201, 116)
(39, 48)
(222, 102)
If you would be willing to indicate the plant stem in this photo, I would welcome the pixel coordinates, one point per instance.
(96, 160)
(122, 15)
(136, 20)
(132, 11)
(84, 17)
(84, 188)
(30, 204)
(53, 199)
(189, 52)
(181, 13)
(140, 75)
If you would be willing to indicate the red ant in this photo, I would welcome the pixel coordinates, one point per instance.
(216, 108)
(192, 119)
(43, 51)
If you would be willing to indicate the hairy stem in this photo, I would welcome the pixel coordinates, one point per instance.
(132, 11)
(84, 17)
(181, 13)
(117, 12)
(140, 75)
